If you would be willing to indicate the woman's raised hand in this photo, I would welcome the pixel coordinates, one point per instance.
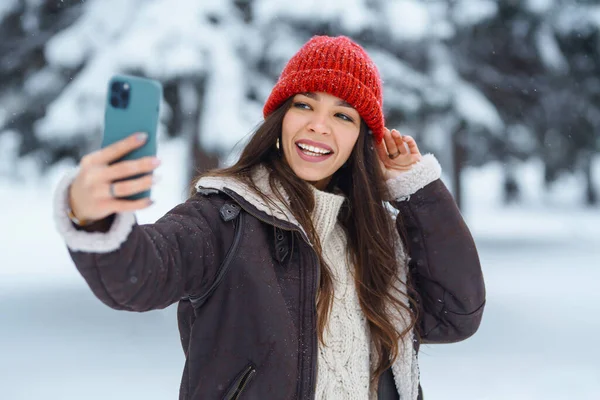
(94, 196)
(397, 153)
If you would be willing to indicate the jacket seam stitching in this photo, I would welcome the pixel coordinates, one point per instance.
(224, 266)
(477, 309)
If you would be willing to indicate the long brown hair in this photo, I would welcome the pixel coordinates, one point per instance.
(368, 225)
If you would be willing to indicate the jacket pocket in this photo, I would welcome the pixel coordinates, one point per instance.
(240, 383)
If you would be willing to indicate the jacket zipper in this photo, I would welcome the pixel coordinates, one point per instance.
(241, 384)
(314, 346)
(316, 279)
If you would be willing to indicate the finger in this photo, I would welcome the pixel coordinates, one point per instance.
(126, 169)
(118, 149)
(390, 143)
(382, 151)
(399, 142)
(131, 186)
(411, 144)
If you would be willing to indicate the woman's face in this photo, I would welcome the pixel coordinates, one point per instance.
(319, 132)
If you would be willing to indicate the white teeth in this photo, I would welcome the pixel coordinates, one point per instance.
(313, 149)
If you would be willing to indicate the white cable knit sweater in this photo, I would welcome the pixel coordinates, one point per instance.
(343, 364)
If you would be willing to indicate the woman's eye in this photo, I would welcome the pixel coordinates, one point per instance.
(345, 117)
(302, 105)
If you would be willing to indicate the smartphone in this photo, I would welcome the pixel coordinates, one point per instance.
(132, 105)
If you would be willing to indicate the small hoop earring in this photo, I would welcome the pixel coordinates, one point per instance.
(277, 143)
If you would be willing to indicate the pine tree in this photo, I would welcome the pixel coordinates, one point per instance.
(473, 80)
(28, 84)
(539, 68)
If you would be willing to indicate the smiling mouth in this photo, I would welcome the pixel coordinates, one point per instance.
(312, 150)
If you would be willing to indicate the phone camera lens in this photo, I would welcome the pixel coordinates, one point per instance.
(116, 87)
(120, 93)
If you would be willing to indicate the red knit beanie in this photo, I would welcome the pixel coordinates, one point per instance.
(340, 67)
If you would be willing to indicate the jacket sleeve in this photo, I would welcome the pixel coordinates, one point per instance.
(143, 267)
(443, 261)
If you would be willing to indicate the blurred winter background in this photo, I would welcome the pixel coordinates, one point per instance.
(506, 93)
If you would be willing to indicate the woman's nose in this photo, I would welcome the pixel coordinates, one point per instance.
(319, 124)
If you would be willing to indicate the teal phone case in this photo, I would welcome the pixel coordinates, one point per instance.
(128, 113)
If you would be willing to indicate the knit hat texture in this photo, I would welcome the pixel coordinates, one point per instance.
(340, 67)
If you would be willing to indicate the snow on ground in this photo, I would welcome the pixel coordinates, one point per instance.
(541, 262)
(537, 340)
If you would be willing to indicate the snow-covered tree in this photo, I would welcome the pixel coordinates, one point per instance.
(537, 61)
(473, 80)
(27, 84)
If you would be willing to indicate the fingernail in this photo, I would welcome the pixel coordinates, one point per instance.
(155, 162)
(141, 137)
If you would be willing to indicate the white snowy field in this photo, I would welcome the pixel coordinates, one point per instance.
(537, 341)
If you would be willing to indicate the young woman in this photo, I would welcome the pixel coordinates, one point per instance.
(294, 279)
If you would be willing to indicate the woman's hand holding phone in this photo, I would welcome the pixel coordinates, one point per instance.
(96, 190)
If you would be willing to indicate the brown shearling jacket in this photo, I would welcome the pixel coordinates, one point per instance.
(246, 295)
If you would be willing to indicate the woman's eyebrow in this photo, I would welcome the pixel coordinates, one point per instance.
(316, 97)
(311, 95)
(344, 104)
